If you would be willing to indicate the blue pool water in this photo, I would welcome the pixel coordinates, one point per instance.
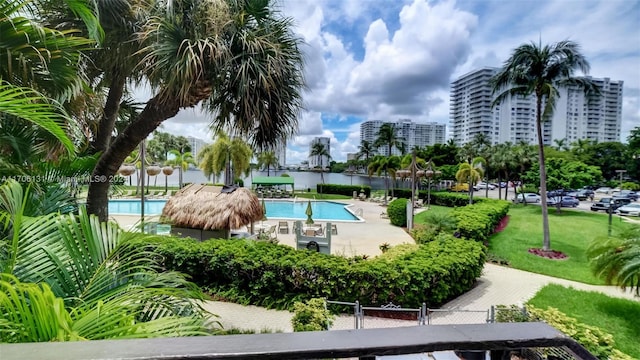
(132, 207)
(322, 210)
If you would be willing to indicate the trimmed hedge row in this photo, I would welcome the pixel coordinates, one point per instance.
(272, 275)
(343, 189)
(478, 221)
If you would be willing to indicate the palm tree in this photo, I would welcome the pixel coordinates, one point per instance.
(182, 161)
(239, 58)
(109, 287)
(471, 172)
(561, 144)
(504, 161)
(525, 155)
(233, 156)
(617, 259)
(387, 136)
(320, 150)
(483, 145)
(386, 164)
(267, 159)
(539, 70)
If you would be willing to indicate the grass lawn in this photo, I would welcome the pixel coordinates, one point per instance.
(571, 232)
(618, 317)
(421, 217)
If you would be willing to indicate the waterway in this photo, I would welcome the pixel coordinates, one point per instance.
(302, 179)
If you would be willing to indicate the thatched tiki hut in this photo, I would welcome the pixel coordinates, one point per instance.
(210, 212)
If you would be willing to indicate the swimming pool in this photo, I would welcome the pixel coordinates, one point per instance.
(276, 209)
(296, 210)
(132, 207)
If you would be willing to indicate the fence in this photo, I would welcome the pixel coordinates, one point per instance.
(391, 315)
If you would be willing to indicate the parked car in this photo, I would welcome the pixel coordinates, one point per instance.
(483, 186)
(626, 194)
(632, 209)
(584, 194)
(603, 190)
(526, 197)
(556, 193)
(605, 203)
(565, 201)
(459, 187)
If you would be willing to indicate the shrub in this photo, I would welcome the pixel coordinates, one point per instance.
(594, 339)
(277, 276)
(397, 211)
(346, 190)
(630, 186)
(311, 315)
(477, 221)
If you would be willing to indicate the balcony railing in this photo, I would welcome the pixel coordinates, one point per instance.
(494, 338)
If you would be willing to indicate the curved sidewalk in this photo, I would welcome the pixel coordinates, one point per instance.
(498, 286)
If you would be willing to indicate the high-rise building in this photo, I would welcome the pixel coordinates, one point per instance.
(320, 160)
(411, 133)
(196, 145)
(576, 116)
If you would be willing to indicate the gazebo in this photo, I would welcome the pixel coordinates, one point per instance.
(207, 212)
(269, 181)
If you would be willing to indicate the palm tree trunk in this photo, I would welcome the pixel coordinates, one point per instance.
(500, 187)
(155, 112)
(546, 244)
(107, 122)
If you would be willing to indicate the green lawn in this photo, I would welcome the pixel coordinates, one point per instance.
(571, 233)
(618, 317)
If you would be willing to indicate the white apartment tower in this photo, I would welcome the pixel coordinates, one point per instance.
(576, 116)
(320, 160)
(412, 134)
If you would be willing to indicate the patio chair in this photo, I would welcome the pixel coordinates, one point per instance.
(334, 229)
(273, 235)
(283, 227)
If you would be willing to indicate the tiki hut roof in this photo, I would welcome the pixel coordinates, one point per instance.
(209, 207)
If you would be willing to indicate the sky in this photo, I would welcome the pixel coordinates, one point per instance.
(393, 59)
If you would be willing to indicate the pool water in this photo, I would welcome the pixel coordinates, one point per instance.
(322, 210)
(132, 207)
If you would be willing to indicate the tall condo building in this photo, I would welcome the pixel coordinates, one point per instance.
(320, 160)
(196, 145)
(576, 116)
(412, 134)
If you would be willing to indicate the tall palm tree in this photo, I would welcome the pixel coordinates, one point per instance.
(239, 58)
(471, 172)
(320, 150)
(387, 165)
(503, 161)
(109, 287)
(267, 159)
(182, 161)
(387, 136)
(533, 69)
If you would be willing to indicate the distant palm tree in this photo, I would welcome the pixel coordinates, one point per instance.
(366, 150)
(561, 144)
(387, 165)
(471, 172)
(387, 136)
(182, 161)
(320, 150)
(503, 161)
(539, 70)
(233, 156)
(267, 159)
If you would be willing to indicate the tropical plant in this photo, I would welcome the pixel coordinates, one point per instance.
(366, 150)
(233, 156)
(321, 151)
(386, 164)
(387, 136)
(181, 161)
(267, 159)
(539, 70)
(504, 162)
(240, 59)
(471, 172)
(70, 277)
(617, 259)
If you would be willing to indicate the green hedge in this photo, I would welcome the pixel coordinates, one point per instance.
(397, 211)
(478, 221)
(272, 275)
(454, 199)
(343, 189)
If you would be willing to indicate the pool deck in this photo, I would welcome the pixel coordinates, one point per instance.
(353, 238)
